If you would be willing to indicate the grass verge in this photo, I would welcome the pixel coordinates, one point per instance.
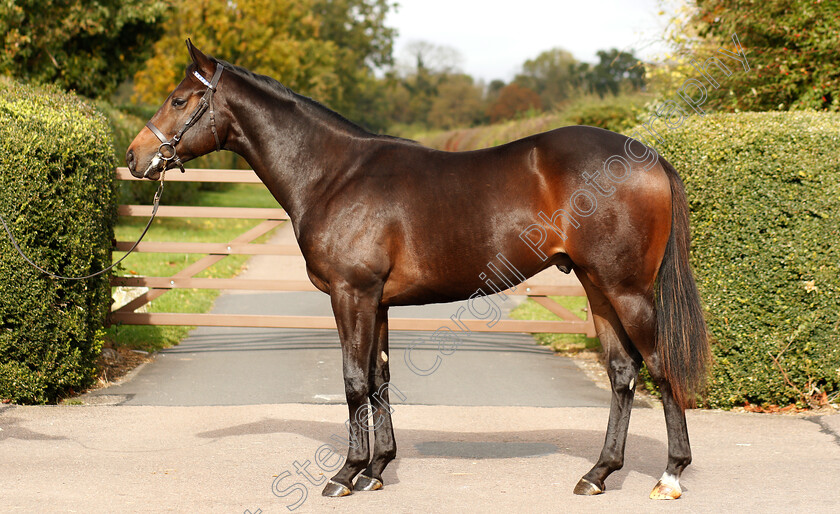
(531, 310)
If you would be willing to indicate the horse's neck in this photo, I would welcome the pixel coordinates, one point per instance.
(295, 150)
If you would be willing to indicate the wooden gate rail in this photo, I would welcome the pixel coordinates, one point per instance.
(242, 245)
(328, 322)
(180, 211)
(211, 248)
(201, 175)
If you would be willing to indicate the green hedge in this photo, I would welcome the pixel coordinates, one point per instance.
(764, 191)
(57, 192)
(616, 113)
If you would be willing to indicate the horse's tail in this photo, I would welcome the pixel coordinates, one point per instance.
(681, 337)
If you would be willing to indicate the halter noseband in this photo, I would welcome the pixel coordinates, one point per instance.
(166, 150)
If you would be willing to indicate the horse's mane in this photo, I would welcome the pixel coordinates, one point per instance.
(275, 87)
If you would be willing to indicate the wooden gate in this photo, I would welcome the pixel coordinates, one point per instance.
(243, 245)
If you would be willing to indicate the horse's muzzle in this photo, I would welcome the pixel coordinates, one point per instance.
(152, 171)
(131, 162)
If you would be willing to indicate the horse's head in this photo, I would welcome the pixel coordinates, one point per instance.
(184, 127)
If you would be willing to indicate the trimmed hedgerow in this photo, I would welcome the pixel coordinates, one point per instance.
(764, 191)
(57, 193)
(612, 113)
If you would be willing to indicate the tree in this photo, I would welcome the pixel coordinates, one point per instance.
(437, 59)
(422, 89)
(551, 74)
(424, 67)
(557, 76)
(459, 103)
(513, 100)
(363, 43)
(325, 49)
(87, 45)
(494, 87)
(791, 46)
(614, 71)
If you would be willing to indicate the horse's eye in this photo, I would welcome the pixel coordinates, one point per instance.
(178, 102)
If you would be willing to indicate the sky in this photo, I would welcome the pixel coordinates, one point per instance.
(495, 37)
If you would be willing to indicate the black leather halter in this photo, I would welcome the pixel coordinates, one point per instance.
(166, 150)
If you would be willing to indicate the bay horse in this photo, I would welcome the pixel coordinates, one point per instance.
(384, 221)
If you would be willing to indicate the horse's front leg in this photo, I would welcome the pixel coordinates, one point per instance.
(355, 316)
(384, 447)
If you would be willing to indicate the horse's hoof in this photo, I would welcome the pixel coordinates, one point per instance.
(335, 490)
(668, 488)
(366, 483)
(586, 488)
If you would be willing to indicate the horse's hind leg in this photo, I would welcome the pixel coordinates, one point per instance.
(679, 448)
(637, 314)
(623, 362)
(384, 446)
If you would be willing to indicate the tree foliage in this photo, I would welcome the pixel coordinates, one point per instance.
(791, 46)
(513, 100)
(426, 88)
(558, 77)
(553, 74)
(90, 46)
(428, 91)
(459, 103)
(616, 70)
(325, 49)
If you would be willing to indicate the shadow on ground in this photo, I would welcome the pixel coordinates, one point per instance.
(420, 444)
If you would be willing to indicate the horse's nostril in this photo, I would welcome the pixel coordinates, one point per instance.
(129, 159)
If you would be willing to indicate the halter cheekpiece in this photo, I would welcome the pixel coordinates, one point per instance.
(166, 150)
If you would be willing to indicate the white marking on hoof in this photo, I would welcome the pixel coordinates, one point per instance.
(384, 357)
(668, 488)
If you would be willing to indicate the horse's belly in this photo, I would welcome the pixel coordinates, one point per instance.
(449, 279)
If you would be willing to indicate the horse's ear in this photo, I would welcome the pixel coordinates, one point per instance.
(202, 62)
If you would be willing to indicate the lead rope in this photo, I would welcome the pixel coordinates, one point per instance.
(155, 206)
